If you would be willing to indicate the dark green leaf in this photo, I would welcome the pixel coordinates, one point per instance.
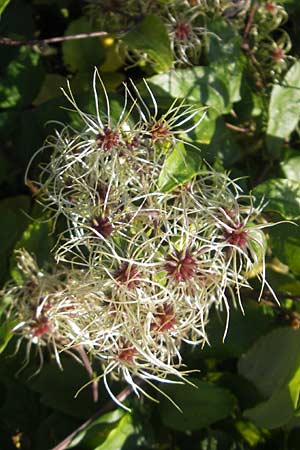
(34, 127)
(284, 283)
(223, 146)
(13, 223)
(17, 19)
(280, 408)
(282, 196)
(58, 388)
(50, 88)
(269, 373)
(53, 430)
(22, 79)
(151, 37)
(201, 406)
(241, 333)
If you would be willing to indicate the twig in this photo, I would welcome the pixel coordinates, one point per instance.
(236, 128)
(89, 370)
(16, 43)
(249, 25)
(107, 407)
(245, 44)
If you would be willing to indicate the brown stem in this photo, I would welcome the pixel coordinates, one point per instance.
(236, 128)
(89, 370)
(246, 47)
(107, 407)
(16, 43)
(249, 23)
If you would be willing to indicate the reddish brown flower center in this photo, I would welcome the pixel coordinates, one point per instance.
(237, 236)
(127, 275)
(271, 7)
(102, 190)
(180, 266)
(159, 132)
(278, 55)
(41, 327)
(108, 139)
(133, 143)
(102, 226)
(164, 319)
(128, 354)
(182, 31)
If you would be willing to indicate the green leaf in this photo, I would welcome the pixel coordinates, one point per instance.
(282, 196)
(33, 127)
(36, 239)
(225, 56)
(13, 223)
(284, 109)
(241, 332)
(272, 361)
(22, 79)
(252, 435)
(82, 55)
(197, 85)
(220, 440)
(291, 168)
(6, 333)
(151, 37)
(201, 406)
(3, 5)
(119, 435)
(285, 283)
(179, 167)
(58, 388)
(50, 88)
(98, 430)
(53, 430)
(223, 146)
(280, 408)
(285, 244)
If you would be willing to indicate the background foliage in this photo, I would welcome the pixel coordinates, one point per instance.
(248, 388)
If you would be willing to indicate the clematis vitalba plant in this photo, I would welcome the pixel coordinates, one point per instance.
(139, 267)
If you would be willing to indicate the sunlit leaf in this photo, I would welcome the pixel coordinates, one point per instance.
(285, 244)
(3, 5)
(284, 109)
(180, 166)
(36, 239)
(21, 80)
(281, 196)
(197, 85)
(151, 36)
(291, 168)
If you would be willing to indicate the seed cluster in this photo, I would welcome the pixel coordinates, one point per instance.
(139, 268)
